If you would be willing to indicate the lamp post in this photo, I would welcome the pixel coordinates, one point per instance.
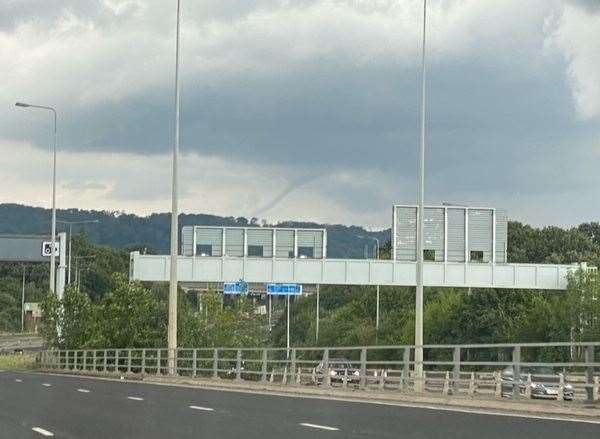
(419, 383)
(172, 325)
(70, 224)
(53, 240)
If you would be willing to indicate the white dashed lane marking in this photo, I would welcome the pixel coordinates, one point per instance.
(135, 398)
(18, 380)
(320, 427)
(206, 409)
(43, 432)
(83, 390)
(46, 384)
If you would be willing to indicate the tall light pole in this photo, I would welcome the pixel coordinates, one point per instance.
(70, 224)
(419, 384)
(172, 330)
(53, 240)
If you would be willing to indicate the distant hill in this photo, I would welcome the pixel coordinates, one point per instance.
(120, 230)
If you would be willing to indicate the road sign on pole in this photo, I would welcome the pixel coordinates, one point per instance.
(239, 287)
(284, 289)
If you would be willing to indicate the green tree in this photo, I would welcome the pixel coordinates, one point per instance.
(583, 305)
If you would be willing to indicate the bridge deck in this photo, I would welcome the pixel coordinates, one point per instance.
(351, 272)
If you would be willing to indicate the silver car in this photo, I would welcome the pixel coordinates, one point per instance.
(544, 382)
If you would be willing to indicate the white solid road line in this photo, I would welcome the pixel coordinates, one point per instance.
(43, 432)
(135, 398)
(320, 427)
(18, 380)
(46, 384)
(206, 409)
(83, 390)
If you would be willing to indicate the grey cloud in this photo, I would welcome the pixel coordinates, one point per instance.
(592, 6)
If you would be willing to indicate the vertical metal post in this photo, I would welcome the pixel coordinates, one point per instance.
(377, 312)
(94, 366)
(327, 377)
(84, 360)
(270, 305)
(238, 365)
(516, 360)
(363, 368)
(104, 360)
(158, 361)
(215, 363)
(128, 360)
(143, 361)
(23, 302)
(288, 327)
(194, 361)
(293, 365)
(419, 381)
(116, 360)
(406, 366)
(589, 373)
(172, 331)
(263, 376)
(317, 318)
(456, 370)
(70, 252)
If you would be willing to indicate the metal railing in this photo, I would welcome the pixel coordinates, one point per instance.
(475, 369)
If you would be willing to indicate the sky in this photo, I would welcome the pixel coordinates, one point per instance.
(304, 109)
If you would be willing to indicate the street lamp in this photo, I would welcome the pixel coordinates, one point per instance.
(419, 383)
(172, 325)
(53, 240)
(70, 224)
(377, 301)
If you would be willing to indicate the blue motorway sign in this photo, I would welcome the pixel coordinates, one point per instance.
(239, 287)
(284, 289)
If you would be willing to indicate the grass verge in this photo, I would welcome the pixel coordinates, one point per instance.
(17, 362)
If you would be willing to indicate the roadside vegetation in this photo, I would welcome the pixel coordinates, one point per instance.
(17, 362)
(104, 310)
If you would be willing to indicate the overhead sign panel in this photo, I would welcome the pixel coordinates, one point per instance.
(26, 248)
(284, 289)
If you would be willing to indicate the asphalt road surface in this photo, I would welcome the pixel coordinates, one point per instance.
(37, 406)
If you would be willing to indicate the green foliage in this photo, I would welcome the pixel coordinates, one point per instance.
(217, 324)
(583, 305)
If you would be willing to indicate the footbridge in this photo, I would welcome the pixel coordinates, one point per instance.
(199, 270)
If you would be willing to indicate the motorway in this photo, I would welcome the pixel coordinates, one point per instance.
(38, 405)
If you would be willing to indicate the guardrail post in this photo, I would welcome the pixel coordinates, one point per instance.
(406, 367)
(158, 365)
(363, 368)
(498, 384)
(85, 360)
(94, 359)
(456, 370)
(293, 365)
(516, 366)
(215, 363)
(327, 377)
(345, 379)
(194, 360)
(238, 365)
(589, 373)
(104, 360)
(128, 360)
(446, 388)
(596, 389)
(143, 371)
(116, 360)
(382, 380)
(472, 385)
(263, 376)
(528, 387)
(561, 387)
